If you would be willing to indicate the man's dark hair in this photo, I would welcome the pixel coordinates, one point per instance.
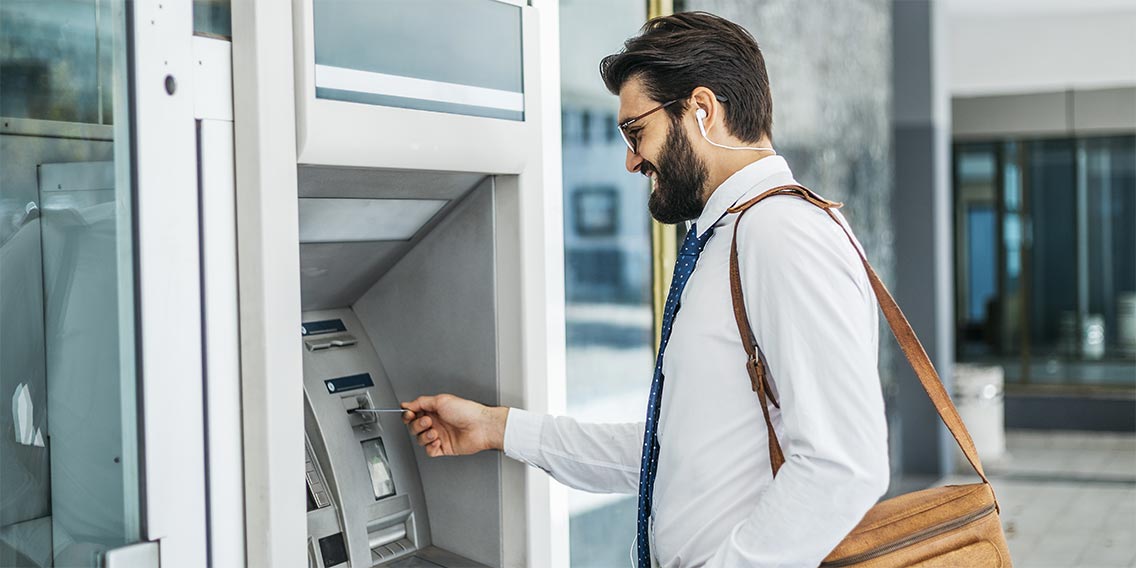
(672, 55)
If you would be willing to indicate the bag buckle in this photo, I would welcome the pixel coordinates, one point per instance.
(758, 374)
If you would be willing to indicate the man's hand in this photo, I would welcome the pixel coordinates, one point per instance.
(450, 426)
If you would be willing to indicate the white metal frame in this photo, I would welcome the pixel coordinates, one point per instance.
(168, 279)
(213, 109)
(340, 133)
(268, 266)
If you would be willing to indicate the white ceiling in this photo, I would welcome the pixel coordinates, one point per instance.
(1024, 46)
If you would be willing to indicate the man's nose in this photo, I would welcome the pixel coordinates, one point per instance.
(634, 161)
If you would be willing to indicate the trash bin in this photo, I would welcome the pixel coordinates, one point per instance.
(978, 397)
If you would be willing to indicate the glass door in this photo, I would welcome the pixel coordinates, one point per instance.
(69, 459)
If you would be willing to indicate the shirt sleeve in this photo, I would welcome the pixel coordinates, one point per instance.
(814, 316)
(600, 458)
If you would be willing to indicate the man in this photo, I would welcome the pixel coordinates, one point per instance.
(696, 113)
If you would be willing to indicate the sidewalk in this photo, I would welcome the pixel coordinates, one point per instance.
(1068, 499)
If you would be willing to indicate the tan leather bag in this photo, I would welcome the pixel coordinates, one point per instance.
(951, 526)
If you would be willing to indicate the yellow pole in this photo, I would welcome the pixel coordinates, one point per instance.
(664, 242)
(656, 8)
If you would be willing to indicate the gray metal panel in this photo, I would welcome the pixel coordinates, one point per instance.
(76, 176)
(433, 322)
(1008, 115)
(333, 275)
(331, 181)
(353, 220)
(1104, 110)
(1098, 111)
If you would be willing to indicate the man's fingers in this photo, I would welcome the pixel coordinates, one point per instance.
(423, 404)
(427, 437)
(420, 425)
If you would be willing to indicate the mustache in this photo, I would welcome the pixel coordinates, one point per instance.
(647, 168)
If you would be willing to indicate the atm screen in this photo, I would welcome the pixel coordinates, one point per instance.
(375, 454)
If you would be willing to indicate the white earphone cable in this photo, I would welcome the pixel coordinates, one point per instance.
(701, 114)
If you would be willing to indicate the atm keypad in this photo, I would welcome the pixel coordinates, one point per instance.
(315, 483)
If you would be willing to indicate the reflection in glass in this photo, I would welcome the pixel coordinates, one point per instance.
(976, 214)
(1110, 197)
(57, 60)
(452, 56)
(1064, 310)
(69, 487)
(607, 264)
(212, 17)
(1053, 254)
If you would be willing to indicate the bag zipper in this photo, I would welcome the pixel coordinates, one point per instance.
(921, 535)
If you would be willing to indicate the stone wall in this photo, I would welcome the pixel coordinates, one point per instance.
(830, 64)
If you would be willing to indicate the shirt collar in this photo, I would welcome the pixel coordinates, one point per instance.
(766, 173)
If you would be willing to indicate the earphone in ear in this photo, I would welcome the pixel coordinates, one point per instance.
(700, 115)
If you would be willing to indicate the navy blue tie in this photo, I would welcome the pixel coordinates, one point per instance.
(684, 267)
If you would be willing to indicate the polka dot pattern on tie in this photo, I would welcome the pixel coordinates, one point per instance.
(692, 246)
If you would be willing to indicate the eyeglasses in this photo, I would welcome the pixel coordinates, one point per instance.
(631, 141)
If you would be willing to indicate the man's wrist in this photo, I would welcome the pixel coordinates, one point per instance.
(498, 417)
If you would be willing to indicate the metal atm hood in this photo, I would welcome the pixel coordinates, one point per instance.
(356, 223)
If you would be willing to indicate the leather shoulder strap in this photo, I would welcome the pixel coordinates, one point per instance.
(900, 327)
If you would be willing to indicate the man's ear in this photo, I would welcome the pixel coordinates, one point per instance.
(705, 107)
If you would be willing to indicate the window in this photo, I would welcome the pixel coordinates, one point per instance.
(607, 239)
(1046, 258)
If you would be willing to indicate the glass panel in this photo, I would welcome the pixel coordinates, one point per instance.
(607, 239)
(1109, 329)
(212, 17)
(1010, 334)
(1053, 255)
(52, 66)
(69, 470)
(976, 232)
(453, 56)
(1064, 310)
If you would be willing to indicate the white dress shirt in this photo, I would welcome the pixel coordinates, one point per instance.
(716, 502)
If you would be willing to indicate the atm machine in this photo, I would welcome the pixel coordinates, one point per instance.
(380, 312)
(429, 254)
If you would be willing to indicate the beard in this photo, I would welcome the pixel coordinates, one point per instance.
(679, 183)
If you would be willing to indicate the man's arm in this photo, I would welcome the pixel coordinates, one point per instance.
(601, 458)
(815, 319)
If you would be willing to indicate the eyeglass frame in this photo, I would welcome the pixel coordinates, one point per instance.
(623, 125)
